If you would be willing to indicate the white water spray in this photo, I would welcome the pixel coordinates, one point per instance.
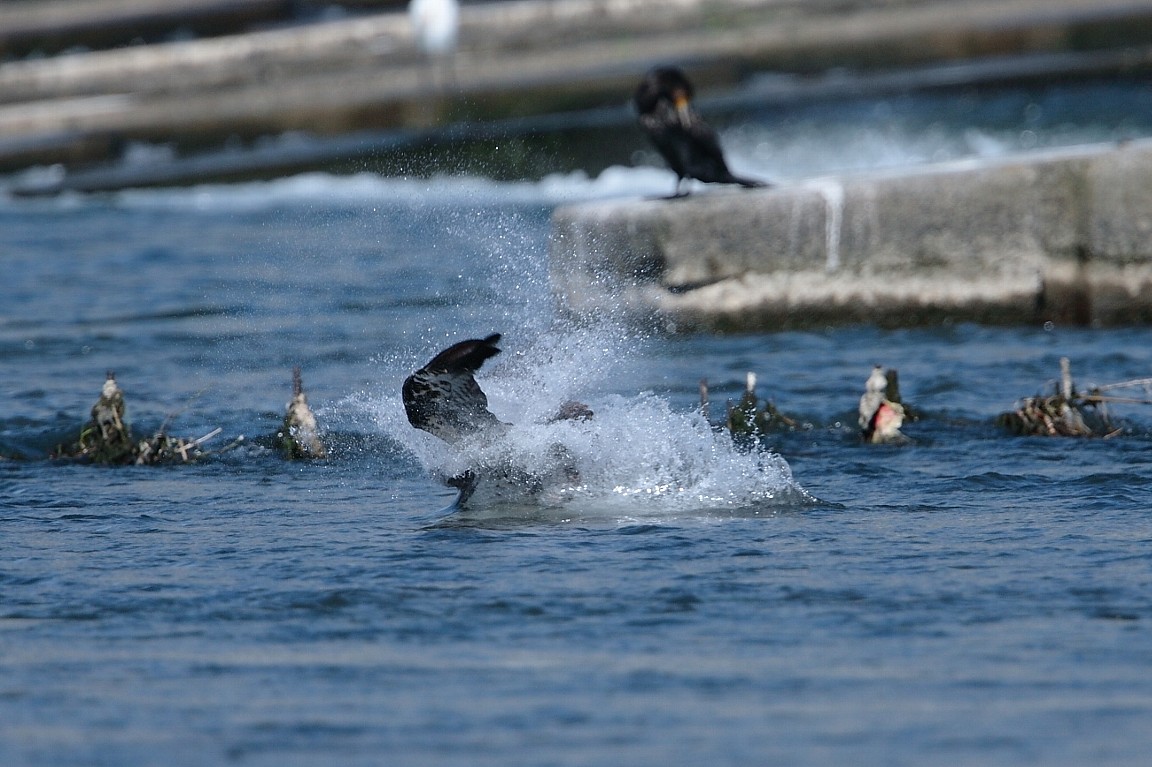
(636, 458)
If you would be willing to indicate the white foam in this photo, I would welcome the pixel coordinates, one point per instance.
(636, 458)
(800, 148)
(370, 188)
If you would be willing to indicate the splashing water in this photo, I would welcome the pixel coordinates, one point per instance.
(635, 458)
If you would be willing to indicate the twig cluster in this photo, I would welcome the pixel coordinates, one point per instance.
(107, 439)
(1066, 412)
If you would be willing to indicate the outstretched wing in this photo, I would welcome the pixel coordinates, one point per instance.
(443, 398)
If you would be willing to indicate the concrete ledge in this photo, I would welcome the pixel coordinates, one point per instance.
(1063, 236)
(50, 26)
(518, 58)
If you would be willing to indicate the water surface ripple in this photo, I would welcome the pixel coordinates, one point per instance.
(971, 599)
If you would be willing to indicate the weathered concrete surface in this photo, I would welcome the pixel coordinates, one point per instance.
(1063, 236)
(529, 57)
(50, 26)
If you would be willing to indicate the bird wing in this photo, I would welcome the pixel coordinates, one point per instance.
(443, 398)
(703, 157)
(692, 149)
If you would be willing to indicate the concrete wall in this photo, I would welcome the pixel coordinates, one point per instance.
(516, 58)
(1063, 236)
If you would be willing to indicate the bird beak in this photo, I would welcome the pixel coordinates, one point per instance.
(680, 99)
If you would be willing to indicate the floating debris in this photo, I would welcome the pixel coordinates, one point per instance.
(300, 435)
(881, 410)
(162, 448)
(107, 439)
(750, 419)
(1065, 413)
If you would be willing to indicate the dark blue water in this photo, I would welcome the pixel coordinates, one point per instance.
(973, 598)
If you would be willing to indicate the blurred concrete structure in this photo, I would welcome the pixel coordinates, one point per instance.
(1063, 236)
(521, 59)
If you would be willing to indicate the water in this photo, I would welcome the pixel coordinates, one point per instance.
(971, 599)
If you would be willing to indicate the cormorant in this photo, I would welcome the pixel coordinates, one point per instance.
(663, 102)
(443, 398)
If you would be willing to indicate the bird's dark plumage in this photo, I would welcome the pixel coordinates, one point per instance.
(443, 398)
(663, 102)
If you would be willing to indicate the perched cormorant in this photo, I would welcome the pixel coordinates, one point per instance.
(663, 102)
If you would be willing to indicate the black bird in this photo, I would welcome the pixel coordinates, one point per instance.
(443, 398)
(663, 102)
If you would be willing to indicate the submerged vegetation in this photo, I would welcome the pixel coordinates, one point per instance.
(881, 409)
(1066, 412)
(1069, 413)
(300, 435)
(749, 420)
(106, 438)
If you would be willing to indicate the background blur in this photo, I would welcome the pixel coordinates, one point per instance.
(103, 94)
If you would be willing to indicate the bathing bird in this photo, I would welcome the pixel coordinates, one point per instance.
(436, 24)
(443, 398)
(663, 103)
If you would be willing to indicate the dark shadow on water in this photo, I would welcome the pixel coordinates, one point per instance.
(634, 519)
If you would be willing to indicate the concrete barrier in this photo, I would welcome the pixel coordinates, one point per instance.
(1062, 236)
(51, 26)
(515, 59)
